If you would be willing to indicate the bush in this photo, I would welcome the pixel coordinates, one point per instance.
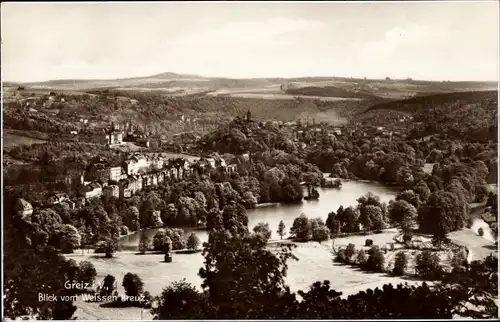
(369, 242)
(427, 265)
(361, 258)
(375, 260)
(108, 285)
(341, 257)
(400, 264)
(132, 284)
(193, 242)
(349, 252)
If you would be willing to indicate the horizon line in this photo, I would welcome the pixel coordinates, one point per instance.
(248, 78)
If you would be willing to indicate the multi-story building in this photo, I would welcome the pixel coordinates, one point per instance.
(131, 167)
(126, 189)
(97, 171)
(111, 191)
(157, 163)
(92, 190)
(115, 173)
(142, 163)
(115, 137)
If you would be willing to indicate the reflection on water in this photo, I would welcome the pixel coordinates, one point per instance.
(330, 200)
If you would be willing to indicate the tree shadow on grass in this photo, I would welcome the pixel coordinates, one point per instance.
(180, 251)
(357, 268)
(100, 256)
(188, 251)
(490, 247)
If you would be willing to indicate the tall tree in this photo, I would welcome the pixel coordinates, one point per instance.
(301, 228)
(181, 301)
(241, 275)
(281, 229)
(442, 213)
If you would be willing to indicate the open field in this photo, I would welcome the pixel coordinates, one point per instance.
(150, 267)
(280, 96)
(315, 259)
(385, 238)
(480, 247)
(315, 264)
(179, 84)
(92, 311)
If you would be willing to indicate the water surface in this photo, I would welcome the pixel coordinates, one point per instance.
(330, 200)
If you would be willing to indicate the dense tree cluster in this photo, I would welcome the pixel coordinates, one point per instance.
(305, 229)
(370, 214)
(174, 236)
(32, 266)
(372, 260)
(243, 279)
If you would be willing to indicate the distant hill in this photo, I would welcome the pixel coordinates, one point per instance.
(324, 86)
(469, 116)
(169, 75)
(420, 102)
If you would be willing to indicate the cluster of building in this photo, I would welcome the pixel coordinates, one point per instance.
(117, 134)
(135, 174)
(140, 171)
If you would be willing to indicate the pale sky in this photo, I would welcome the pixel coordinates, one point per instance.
(435, 41)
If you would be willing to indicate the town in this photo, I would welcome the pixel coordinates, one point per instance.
(312, 161)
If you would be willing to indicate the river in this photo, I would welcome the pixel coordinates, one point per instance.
(330, 200)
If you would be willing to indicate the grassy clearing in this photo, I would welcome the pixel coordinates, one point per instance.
(92, 311)
(315, 264)
(153, 271)
(480, 247)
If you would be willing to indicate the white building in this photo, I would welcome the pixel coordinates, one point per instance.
(115, 173)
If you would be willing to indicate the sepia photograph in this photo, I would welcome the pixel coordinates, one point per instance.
(250, 160)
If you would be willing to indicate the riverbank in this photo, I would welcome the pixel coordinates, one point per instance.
(272, 213)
